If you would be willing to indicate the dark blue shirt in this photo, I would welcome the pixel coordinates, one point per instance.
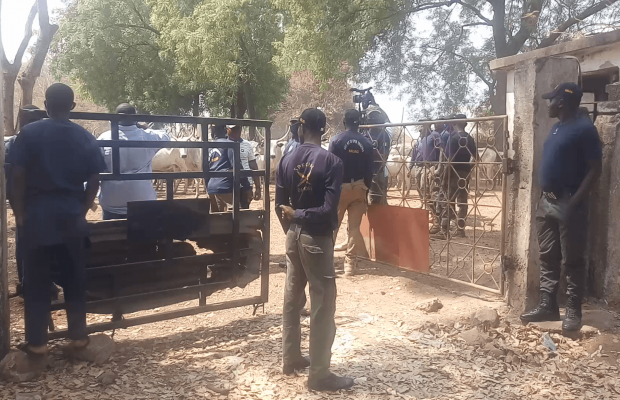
(356, 153)
(381, 142)
(461, 148)
(223, 160)
(8, 142)
(566, 155)
(58, 157)
(290, 146)
(309, 180)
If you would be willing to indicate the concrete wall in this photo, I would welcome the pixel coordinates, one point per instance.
(532, 78)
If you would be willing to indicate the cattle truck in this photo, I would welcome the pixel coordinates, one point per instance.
(174, 250)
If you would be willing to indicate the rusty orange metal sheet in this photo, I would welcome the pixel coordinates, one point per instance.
(397, 236)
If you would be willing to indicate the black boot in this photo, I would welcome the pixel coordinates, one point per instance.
(289, 369)
(572, 320)
(548, 310)
(331, 383)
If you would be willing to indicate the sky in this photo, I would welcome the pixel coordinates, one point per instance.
(15, 14)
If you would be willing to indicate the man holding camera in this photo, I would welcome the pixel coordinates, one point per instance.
(356, 153)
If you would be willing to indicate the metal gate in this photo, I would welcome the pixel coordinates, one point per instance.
(465, 200)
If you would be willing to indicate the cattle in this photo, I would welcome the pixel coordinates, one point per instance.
(398, 169)
(178, 160)
(488, 175)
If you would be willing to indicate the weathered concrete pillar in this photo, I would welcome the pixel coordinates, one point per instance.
(604, 238)
(532, 124)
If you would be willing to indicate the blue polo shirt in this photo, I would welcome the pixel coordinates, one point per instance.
(58, 157)
(356, 153)
(309, 180)
(223, 160)
(566, 155)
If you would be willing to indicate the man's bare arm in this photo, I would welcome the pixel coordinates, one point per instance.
(92, 187)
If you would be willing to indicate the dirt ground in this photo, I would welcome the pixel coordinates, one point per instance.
(392, 349)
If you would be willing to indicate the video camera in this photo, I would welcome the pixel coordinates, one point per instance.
(363, 97)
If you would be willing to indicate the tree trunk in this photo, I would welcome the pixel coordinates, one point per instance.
(249, 99)
(7, 105)
(196, 105)
(28, 78)
(241, 102)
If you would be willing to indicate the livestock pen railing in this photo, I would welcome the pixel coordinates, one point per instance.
(141, 262)
(461, 197)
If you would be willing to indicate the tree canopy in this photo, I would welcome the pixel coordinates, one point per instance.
(235, 56)
(437, 51)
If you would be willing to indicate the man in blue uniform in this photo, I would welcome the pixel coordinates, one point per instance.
(220, 189)
(571, 164)
(53, 159)
(294, 141)
(308, 184)
(25, 119)
(381, 142)
(356, 153)
(424, 162)
(461, 153)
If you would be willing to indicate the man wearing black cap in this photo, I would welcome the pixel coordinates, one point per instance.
(571, 164)
(356, 153)
(220, 189)
(381, 142)
(308, 184)
(294, 141)
(53, 158)
(115, 195)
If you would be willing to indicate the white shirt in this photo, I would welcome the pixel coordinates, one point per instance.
(115, 195)
(247, 155)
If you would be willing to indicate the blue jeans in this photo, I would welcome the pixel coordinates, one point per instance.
(107, 215)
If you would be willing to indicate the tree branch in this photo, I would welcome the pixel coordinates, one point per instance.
(557, 32)
(529, 22)
(17, 62)
(474, 10)
(468, 62)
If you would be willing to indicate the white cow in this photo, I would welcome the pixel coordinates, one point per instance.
(398, 169)
(276, 149)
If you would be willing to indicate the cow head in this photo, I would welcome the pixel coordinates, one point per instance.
(276, 149)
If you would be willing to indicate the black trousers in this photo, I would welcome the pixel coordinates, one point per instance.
(379, 188)
(452, 198)
(65, 264)
(562, 241)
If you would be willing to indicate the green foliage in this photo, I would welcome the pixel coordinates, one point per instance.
(227, 43)
(109, 49)
(435, 51)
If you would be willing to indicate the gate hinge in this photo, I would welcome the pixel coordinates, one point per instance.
(507, 263)
(509, 166)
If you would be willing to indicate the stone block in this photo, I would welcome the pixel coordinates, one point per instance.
(18, 367)
(485, 318)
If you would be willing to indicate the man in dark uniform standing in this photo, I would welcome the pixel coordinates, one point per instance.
(53, 159)
(25, 118)
(308, 184)
(461, 153)
(356, 153)
(571, 164)
(381, 142)
(220, 189)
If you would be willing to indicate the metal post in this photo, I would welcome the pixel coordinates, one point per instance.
(236, 200)
(5, 309)
(264, 293)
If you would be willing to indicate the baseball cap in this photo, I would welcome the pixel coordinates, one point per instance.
(352, 117)
(313, 119)
(569, 91)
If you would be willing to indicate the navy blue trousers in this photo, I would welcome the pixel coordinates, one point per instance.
(64, 264)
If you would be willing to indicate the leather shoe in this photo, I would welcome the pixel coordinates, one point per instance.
(572, 321)
(331, 383)
(547, 310)
(289, 369)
